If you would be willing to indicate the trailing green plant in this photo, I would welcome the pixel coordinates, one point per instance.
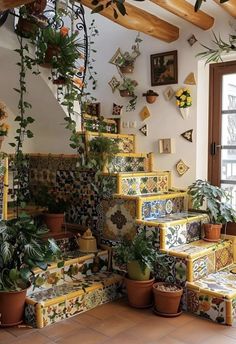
(21, 250)
(221, 47)
(129, 85)
(141, 249)
(214, 199)
(128, 59)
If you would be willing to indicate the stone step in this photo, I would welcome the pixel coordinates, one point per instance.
(213, 297)
(73, 266)
(66, 300)
(130, 162)
(143, 183)
(193, 261)
(126, 141)
(175, 229)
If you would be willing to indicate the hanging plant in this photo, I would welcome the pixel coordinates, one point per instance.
(127, 89)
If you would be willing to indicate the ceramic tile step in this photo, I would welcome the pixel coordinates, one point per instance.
(214, 296)
(175, 229)
(193, 261)
(139, 183)
(117, 216)
(96, 124)
(126, 142)
(130, 162)
(73, 266)
(71, 298)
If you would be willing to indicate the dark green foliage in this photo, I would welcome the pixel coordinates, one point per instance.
(141, 248)
(215, 199)
(21, 250)
(47, 196)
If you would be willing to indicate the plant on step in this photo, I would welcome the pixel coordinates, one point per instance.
(127, 89)
(216, 202)
(21, 250)
(221, 47)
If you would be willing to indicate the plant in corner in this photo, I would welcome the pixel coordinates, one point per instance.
(21, 250)
(139, 257)
(216, 201)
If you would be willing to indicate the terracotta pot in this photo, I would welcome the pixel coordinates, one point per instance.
(135, 272)
(127, 69)
(139, 293)
(36, 7)
(212, 231)
(151, 99)
(54, 222)
(166, 302)
(12, 307)
(51, 51)
(125, 93)
(60, 81)
(26, 28)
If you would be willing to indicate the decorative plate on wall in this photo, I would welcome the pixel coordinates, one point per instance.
(181, 167)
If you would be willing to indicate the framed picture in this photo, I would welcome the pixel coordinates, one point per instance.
(164, 68)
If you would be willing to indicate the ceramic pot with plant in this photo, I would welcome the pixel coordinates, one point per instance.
(49, 197)
(127, 89)
(216, 202)
(21, 250)
(139, 256)
(151, 96)
(167, 299)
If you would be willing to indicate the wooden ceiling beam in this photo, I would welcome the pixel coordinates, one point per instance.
(229, 6)
(185, 10)
(140, 20)
(7, 4)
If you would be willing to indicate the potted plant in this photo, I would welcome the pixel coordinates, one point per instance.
(127, 88)
(184, 101)
(102, 150)
(48, 196)
(4, 127)
(21, 250)
(139, 256)
(125, 61)
(216, 202)
(167, 299)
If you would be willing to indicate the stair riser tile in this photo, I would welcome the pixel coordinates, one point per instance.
(40, 316)
(162, 207)
(94, 124)
(70, 272)
(144, 185)
(171, 270)
(126, 143)
(128, 164)
(211, 307)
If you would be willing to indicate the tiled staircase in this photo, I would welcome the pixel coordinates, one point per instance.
(142, 198)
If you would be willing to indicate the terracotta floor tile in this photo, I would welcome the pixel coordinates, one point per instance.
(183, 319)
(85, 319)
(125, 338)
(134, 314)
(83, 336)
(170, 340)
(60, 329)
(113, 325)
(33, 338)
(150, 330)
(20, 330)
(105, 311)
(219, 339)
(5, 336)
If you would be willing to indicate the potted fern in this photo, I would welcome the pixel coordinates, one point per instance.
(216, 201)
(21, 250)
(139, 256)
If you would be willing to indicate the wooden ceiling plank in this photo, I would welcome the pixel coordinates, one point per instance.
(185, 10)
(140, 20)
(7, 4)
(229, 6)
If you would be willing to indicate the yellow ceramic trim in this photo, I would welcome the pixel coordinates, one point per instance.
(102, 253)
(135, 143)
(107, 120)
(139, 174)
(160, 196)
(119, 184)
(93, 287)
(30, 301)
(91, 133)
(207, 292)
(229, 312)
(172, 223)
(131, 155)
(39, 316)
(162, 238)
(139, 209)
(5, 189)
(62, 298)
(150, 161)
(190, 271)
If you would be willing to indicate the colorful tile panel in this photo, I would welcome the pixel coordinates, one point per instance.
(127, 164)
(161, 207)
(224, 257)
(203, 266)
(95, 124)
(144, 185)
(171, 270)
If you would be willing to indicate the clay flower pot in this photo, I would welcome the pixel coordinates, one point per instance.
(139, 292)
(167, 298)
(127, 69)
(212, 232)
(12, 307)
(126, 93)
(54, 222)
(151, 96)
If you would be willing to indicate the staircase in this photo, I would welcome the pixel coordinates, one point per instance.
(143, 198)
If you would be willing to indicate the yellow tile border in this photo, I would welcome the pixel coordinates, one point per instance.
(91, 133)
(161, 196)
(162, 238)
(189, 276)
(229, 312)
(200, 290)
(39, 315)
(172, 223)
(5, 189)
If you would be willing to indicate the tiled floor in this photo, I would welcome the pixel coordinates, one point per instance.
(117, 323)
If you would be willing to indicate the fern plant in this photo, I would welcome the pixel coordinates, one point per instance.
(21, 250)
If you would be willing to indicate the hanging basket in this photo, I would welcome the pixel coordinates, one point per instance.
(36, 7)
(184, 112)
(51, 52)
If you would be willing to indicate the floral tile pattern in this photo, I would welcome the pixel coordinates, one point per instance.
(162, 207)
(206, 306)
(128, 164)
(96, 125)
(224, 257)
(203, 266)
(175, 235)
(139, 185)
(171, 269)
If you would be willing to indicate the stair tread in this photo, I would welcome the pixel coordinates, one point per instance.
(152, 196)
(173, 218)
(222, 282)
(197, 248)
(82, 286)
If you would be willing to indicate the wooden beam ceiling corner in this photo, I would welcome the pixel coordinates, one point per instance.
(229, 6)
(185, 10)
(140, 20)
(8, 4)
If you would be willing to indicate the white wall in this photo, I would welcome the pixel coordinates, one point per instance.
(165, 122)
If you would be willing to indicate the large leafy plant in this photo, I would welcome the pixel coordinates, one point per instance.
(141, 249)
(215, 199)
(21, 250)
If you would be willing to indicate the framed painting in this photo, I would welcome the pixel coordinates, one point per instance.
(164, 68)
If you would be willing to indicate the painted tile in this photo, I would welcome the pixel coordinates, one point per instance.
(95, 124)
(162, 207)
(193, 231)
(224, 257)
(127, 164)
(203, 266)
(163, 183)
(176, 235)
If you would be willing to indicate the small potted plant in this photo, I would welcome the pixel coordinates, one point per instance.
(21, 250)
(127, 88)
(47, 196)
(125, 62)
(216, 201)
(167, 299)
(139, 256)
(183, 101)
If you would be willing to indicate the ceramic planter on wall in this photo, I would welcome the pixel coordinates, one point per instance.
(126, 93)
(184, 112)
(127, 69)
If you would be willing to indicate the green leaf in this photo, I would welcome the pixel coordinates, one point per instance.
(98, 9)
